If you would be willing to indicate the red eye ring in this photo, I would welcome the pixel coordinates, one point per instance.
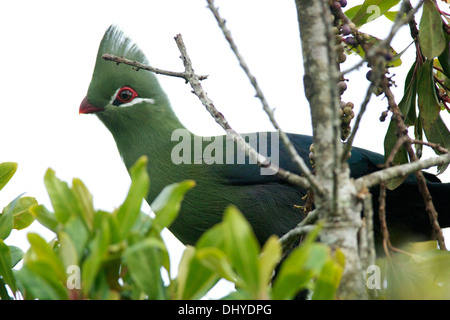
(126, 94)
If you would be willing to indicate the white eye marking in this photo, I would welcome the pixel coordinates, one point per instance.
(132, 102)
(137, 100)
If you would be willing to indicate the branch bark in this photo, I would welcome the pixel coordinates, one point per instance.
(340, 207)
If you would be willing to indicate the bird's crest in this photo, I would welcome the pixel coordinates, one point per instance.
(108, 76)
(115, 42)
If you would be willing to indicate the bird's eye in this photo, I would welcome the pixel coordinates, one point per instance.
(124, 95)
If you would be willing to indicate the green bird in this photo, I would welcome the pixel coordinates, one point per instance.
(133, 106)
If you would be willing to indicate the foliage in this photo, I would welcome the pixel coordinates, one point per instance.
(427, 88)
(121, 255)
(421, 273)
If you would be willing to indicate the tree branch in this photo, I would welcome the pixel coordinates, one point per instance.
(194, 80)
(261, 160)
(260, 95)
(378, 177)
(138, 65)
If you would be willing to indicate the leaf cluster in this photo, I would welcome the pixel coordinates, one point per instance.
(121, 254)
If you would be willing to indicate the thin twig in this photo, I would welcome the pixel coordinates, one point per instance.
(138, 65)
(304, 227)
(259, 94)
(382, 216)
(377, 177)
(349, 143)
(435, 146)
(194, 80)
(261, 160)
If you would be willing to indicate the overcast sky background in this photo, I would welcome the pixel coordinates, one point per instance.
(47, 56)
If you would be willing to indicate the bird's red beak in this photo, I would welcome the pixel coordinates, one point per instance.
(86, 107)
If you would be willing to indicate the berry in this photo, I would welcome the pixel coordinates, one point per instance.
(346, 30)
(339, 49)
(351, 41)
(347, 111)
(369, 75)
(341, 58)
(342, 86)
(343, 3)
(383, 116)
(388, 56)
(336, 5)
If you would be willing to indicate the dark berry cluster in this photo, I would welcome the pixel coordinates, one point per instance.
(346, 115)
(343, 38)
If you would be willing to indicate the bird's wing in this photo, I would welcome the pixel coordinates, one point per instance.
(361, 161)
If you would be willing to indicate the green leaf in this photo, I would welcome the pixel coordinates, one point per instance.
(67, 250)
(7, 218)
(7, 170)
(98, 250)
(45, 254)
(45, 217)
(16, 255)
(444, 57)
(394, 62)
(22, 216)
(6, 266)
(391, 15)
(431, 35)
(296, 271)
(429, 109)
(407, 105)
(63, 200)
(76, 230)
(35, 286)
(85, 201)
(195, 276)
(328, 281)
(6, 224)
(427, 100)
(144, 261)
(4, 295)
(201, 271)
(215, 259)
(269, 258)
(42, 270)
(437, 132)
(421, 275)
(242, 249)
(129, 211)
(168, 203)
(213, 237)
(369, 11)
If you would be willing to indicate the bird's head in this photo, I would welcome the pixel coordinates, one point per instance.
(116, 91)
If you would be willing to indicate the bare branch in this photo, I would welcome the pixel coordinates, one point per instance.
(377, 177)
(194, 80)
(302, 228)
(138, 65)
(261, 160)
(382, 216)
(259, 94)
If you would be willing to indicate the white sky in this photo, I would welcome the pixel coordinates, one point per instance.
(47, 55)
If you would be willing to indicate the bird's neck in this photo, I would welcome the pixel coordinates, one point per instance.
(152, 137)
